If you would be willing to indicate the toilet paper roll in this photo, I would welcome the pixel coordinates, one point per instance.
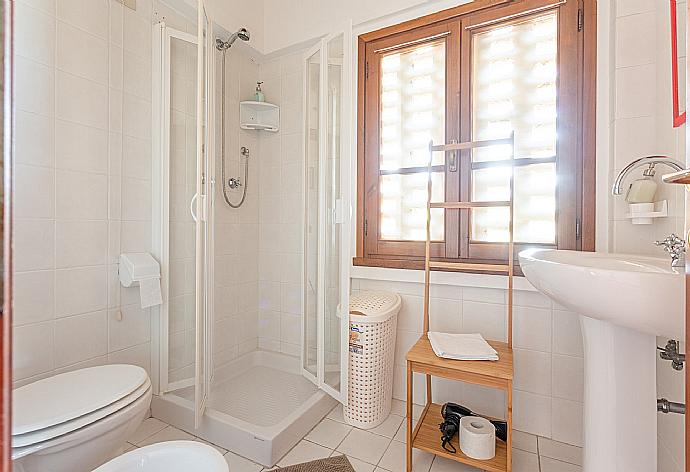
(150, 292)
(477, 437)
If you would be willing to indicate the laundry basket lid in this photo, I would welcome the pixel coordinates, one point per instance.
(374, 305)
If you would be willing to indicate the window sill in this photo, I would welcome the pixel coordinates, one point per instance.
(463, 279)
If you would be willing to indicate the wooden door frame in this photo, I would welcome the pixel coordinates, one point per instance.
(6, 33)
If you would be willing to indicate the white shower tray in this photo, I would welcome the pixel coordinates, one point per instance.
(260, 407)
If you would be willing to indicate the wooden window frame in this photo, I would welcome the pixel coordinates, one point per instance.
(576, 145)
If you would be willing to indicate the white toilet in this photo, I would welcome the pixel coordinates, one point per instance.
(170, 456)
(76, 421)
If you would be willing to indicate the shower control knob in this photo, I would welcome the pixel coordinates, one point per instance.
(234, 183)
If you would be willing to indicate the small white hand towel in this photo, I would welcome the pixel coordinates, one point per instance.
(462, 347)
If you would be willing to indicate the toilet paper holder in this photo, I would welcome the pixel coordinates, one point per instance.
(135, 267)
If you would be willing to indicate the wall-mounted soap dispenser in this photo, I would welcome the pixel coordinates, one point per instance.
(641, 193)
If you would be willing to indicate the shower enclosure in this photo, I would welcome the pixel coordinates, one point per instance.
(257, 403)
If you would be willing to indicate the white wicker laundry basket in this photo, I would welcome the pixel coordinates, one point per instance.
(373, 319)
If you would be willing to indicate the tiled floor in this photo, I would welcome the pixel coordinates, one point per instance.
(381, 449)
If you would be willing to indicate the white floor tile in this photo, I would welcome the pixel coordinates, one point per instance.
(129, 447)
(336, 414)
(364, 445)
(240, 464)
(441, 464)
(395, 456)
(329, 433)
(148, 428)
(167, 434)
(525, 441)
(217, 448)
(560, 451)
(398, 408)
(401, 435)
(389, 427)
(552, 465)
(304, 451)
(524, 461)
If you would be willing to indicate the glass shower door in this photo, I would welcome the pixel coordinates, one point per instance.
(182, 189)
(326, 291)
(177, 189)
(313, 221)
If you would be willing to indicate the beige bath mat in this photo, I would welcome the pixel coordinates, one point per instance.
(332, 464)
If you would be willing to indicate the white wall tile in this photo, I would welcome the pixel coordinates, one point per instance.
(137, 75)
(568, 377)
(34, 192)
(81, 196)
(81, 243)
(567, 335)
(567, 421)
(34, 245)
(137, 34)
(89, 15)
(138, 355)
(532, 371)
(136, 116)
(80, 148)
(532, 413)
(487, 319)
(81, 53)
(34, 87)
(80, 290)
(81, 100)
(34, 139)
(78, 338)
(136, 158)
(136, 199)
(34, 297)
(633, 48)
(134, 327)
(635, 91)
(445, 315)
(32, 349)
(630, 7)
(34, 34)
(532, 328)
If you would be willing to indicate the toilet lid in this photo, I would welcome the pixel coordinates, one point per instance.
(67, 396)
(39, 436)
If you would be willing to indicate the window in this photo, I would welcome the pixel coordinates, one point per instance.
(476, 72)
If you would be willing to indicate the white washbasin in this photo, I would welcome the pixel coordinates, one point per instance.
(170, 456)
(638, 292)
(624, 302)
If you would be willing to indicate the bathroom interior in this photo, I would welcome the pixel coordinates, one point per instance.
(236, 232)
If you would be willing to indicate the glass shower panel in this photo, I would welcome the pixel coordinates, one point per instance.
(333, 215)
(182, 185)
(311, 286)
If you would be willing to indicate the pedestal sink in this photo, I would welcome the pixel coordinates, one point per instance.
(624, 302)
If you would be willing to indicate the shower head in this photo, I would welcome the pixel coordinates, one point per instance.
(242, 33)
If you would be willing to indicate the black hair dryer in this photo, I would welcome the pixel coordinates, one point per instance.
(452, 414)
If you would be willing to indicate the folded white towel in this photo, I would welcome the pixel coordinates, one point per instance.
(462, 347)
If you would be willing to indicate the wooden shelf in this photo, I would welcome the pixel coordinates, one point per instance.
(421, 358)
(464, 205)
(470, 266)
(488, 373)
(427, 437)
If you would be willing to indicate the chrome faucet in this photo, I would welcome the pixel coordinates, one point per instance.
(651, 162)
(675, 246)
